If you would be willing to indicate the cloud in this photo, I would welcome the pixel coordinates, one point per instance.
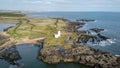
(62, 5)
(47, 1)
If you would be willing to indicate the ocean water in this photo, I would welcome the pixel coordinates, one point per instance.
(3, 26)
(107, 20)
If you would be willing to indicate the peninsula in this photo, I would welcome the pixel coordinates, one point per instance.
(69, 46)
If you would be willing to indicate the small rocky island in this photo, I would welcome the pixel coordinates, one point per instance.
(59, 40)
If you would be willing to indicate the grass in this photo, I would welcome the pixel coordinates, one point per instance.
(22, 29)
(50, 40)
(26, 28)
(35, 28)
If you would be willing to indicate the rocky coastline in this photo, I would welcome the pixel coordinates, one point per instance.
(79, 51)
(73, 47)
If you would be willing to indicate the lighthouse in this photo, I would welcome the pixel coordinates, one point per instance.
(58, 34)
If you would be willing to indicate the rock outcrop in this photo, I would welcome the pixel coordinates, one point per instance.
(97, 30)
(85, 20)
(81, 54)
(78, 51)
(10, 54)
(3, 38)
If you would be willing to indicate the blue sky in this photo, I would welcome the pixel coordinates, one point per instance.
(61, 5)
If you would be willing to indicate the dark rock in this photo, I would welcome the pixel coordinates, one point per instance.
(73, 26)
(85, 20)
(10, 54)
(6, 29)
(118, 59)
(102, 37)
(79, 27)
(85, 38)
(97, 30)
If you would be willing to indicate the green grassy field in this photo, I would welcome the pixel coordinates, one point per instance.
(26, 28)
(46, 27)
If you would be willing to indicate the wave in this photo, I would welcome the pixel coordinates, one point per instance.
(13, 66)
(92, 32)
(117, 55)
(102, 43)
(111, 41)
(105, 30)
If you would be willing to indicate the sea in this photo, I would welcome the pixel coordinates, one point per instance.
(109, 21)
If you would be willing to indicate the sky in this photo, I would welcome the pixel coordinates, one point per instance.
(61, 5)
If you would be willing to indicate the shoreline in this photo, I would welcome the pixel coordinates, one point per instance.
(20, 41)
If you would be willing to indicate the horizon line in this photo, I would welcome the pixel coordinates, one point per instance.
(53, 11)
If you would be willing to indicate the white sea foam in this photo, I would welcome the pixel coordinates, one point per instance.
(93, 33)
(13, 66)
(20, 65)
(117, 55)
(110, 41)
(105, 30)
(96, 21)
(102, 43)
(83, 28)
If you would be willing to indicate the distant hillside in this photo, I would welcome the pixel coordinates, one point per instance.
(11, 14)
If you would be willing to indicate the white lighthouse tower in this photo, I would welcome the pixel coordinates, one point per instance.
(58, 34)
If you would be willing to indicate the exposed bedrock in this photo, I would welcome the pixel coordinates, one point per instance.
(85, 38)
(81, 54)
(85, 20)
(89, 36)
(97, 30)
(10, 54)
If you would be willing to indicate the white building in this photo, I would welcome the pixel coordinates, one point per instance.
(58, 34)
